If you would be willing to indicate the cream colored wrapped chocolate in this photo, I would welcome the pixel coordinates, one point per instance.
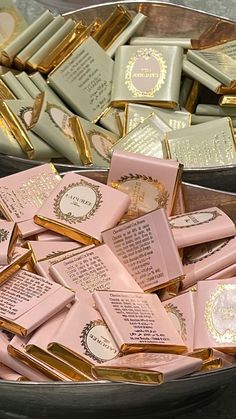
(148, 75)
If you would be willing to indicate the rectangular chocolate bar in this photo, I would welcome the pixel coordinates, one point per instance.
(83, 339)
(28, 300)
(138, 322)
(9, 374)
(94, 269)
(79, 208)
(144, 74)
(151, 183)
(8, 237)
(85, 75)
(147, 138)
(147, 368)
(204, 225)
(147, 249)
(22, 194)
(19, 258)
(181, 312)
(215, 325)
(205, 145)
(22, 369)
(205, 260)
(151, 41)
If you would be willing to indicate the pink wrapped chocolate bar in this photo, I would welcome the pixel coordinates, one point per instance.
(206, 259)
(46, 253)
(181, 312)
(138, 322)
(83, 339)
(8, 238)
(146, 247)
(94, 269)
(28, 300)
(215, 315)
(80, 208)
(7, 373)
(147, 368)
(19, 258)
(203, 225)
(36, 348)
(16, 365)
(22, 194)
(150, 182)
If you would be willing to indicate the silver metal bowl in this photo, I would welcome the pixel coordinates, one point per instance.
(115, 400)
(164, 20)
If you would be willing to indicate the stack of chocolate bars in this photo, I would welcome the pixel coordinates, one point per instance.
(81, 90)
(113, 281)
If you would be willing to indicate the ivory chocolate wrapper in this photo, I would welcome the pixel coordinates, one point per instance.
(201, 76)
(27, 83)
(149, 41)
(145, 75)
(15, 86)
(147, 138)
(72, 80)
(209, 144)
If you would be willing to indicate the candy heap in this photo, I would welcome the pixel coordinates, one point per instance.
(138, 291)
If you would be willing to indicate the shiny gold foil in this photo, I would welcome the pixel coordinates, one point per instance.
(38, 103)
(113, 26)
(228, 100)
(14, 267)
(64, 230)
(141, 376)
(5, 92)
(17, 130)
(192, 100)
(81, 141)
(55, 363)
(129, 348)
(64, 47)
(213, 364)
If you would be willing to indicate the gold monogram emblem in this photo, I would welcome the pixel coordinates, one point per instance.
(145, 72)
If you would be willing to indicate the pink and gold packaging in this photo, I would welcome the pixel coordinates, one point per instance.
(138, 322)
(19, 258)
(204, 260)
(147, 368)
(8, 238)
(46, 253)
(80, 208)
(22, 194)
(215, 315)
(15, 364)
(151, 183)
(51, 236)
(181, 312)
(146, 247)
(94, 269)
(9, 374)
(28, 300)
(201, 226)
(83, 339)
(37, 348)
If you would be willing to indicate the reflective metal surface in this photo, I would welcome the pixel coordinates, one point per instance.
(164, 20)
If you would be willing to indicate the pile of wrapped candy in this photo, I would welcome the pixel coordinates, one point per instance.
(78, 91)
(113, 281)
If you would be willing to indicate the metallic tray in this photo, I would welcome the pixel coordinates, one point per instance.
(202, 28)
(115, 400)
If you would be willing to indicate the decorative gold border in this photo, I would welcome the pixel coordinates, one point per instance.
(161, 200)
(83, 338)
(22, 113)
(145, 53)
(214, 214)
(50, 106)
(229, 336)
(69, 218)
(171, 308)
(90, 133)
(18, 21)
(188, 261)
